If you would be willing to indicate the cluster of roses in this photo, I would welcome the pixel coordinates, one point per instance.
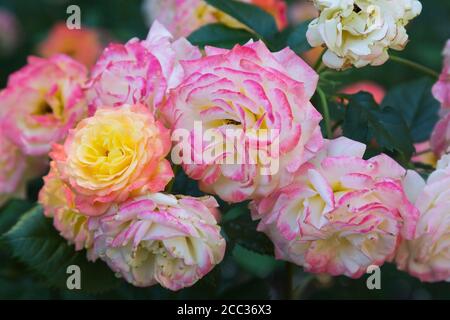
(326, 208)
(104, 188)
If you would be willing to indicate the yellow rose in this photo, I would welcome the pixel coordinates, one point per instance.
(114, 154)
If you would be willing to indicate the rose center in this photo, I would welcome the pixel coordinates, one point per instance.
(43, 109)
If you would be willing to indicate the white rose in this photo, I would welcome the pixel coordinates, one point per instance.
(360, 32)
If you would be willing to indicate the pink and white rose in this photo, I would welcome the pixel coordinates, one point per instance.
(160, 238)
(245, 90)
(139, 71)
(58, 202)
(13, 165)
(42, 101)
(341, 214)
(441, 90)
(427, 256)
(440, 137)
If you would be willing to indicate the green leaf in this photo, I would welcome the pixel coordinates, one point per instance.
(417, 105)
(297, 38)
(12, 212)
(23, 288)
(257, 264)
(240, 229)
(365, 120)
(35, 242)
(251, 16)
(219, 35)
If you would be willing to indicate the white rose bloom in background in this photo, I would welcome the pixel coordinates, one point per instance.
(360, 32)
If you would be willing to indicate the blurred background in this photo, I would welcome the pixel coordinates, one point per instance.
(38, 28)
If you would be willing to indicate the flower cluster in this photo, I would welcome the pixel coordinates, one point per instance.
(241, 123)
(105, 182)
(360, 32)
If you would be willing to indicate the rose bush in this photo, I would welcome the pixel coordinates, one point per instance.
(220, 164)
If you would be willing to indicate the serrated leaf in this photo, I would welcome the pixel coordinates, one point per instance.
(219, 35)
(240, 229)
(417, 105)
(35, 242)
(258, 20)
(365, 120)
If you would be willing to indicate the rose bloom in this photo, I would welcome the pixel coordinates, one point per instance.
(441, 90)
(83, 45)
(58, 202)
(113, 155)
(360, 32)
(245, 90)
(139, 71)
(427, 256)
(160, 238)
(186, 16)
(440, 137)
(341, 214)
(13, 165)
(42, 101)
